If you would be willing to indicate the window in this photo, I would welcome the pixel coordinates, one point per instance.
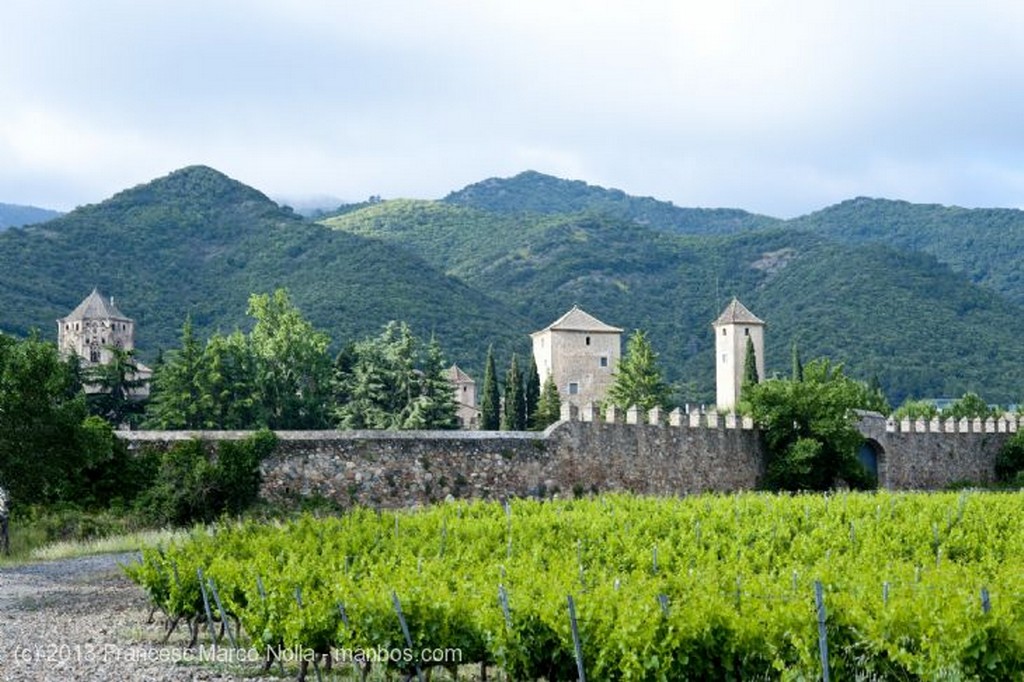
(588, 340)
(724, 330)
(746, 331)
(725, 357)
(604, 360)
(574, 388)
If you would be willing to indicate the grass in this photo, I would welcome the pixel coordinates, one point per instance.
(125, 542)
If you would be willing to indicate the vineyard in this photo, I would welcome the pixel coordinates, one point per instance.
(753, 586)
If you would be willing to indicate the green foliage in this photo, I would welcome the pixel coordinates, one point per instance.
(490, 402)
(196, 482)
(549, 407)
(797, 373)
(916, 409)
(1010, 460)
(750, 377)
(513, 407)
(637, 377)
(809, 428)
(118, 384)
(970, 406)
(531, 391)
(387, 383)
(693, 588)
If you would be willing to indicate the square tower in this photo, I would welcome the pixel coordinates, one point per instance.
(579, 352)
(733, 327)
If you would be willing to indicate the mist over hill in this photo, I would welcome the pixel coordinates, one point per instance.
(15, 215)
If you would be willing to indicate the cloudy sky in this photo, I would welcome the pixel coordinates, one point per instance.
(775, 106)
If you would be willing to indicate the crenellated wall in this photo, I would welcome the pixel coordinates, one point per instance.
(650, 453)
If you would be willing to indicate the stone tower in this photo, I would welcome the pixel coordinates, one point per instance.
(464, 387)
(732, 329)
(94, 327)
(580, 352)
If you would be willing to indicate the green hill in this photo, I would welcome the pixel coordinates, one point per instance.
(197, 241)
(533, 192)
(983, 244)
(923, 329)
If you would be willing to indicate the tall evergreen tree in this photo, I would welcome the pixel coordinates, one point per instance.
(116, 384)
(175, 399)
(490, 401)
(513, 414)
(531, 390)
(549, 407)
(435, 407)
(637, 378)
(798, 366)
(750, 377)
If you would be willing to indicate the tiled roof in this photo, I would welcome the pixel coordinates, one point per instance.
(576, 320)
(95, 307)
(457, 376)
(737, 313)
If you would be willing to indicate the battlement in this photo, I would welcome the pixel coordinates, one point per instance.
(694, 419)
(1005, 424)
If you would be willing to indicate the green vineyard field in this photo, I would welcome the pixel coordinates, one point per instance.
(915, 586)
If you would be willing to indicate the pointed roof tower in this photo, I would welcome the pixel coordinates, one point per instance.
(737, 313)
(95, 307)
(577, 320)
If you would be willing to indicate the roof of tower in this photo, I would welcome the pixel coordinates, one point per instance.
(458, 376)
(95, 307)
(576, 320)
(737, 313)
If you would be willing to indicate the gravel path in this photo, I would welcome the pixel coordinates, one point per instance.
(81, 619)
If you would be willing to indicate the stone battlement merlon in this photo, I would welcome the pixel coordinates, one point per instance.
(1004, 424)
(591, 412)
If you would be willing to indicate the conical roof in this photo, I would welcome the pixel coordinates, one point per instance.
(577, 320)
(458, 376)
(736, 313)
(95, 307)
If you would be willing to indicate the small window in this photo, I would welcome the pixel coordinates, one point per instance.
(574, 388)
(588, 340)
(746, 331)
(725, 357)
(604, 360)
(724, 331)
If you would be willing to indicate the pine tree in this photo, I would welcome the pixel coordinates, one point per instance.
(513, 414)
(490, 401)
(637, 378)
(531, 391)
(549, 406)
(435, 407)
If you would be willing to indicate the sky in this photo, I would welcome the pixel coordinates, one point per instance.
(779, 107)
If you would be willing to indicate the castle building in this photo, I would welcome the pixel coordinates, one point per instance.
(579, 352)
(733, 327)
(93, 329)
(467, 411)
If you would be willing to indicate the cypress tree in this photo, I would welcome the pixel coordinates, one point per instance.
(549, 407)
(531, 391)
(490, 402)
(513, 415)
(798, 366)
(750, 377)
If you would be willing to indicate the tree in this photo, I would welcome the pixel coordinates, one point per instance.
(637, 378)
(115, 388)
(798, 366)
(531, 390)
(434, 407)
(175, 396)
(970, 406)
(490, 401)
(809, 429)
(292, 366)
(513, 413)
(750, 377)
(227, 381)
(549, 406)
(916, 409)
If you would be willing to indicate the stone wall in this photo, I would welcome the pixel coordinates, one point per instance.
(655, 454)
(393, 469)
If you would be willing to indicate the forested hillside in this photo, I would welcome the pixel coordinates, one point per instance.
(922, 297)
(198, 242)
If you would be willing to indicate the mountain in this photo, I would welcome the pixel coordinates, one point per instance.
(13, 215)
(533, 192)
(197, 242)
(983, 244)
(502, 258)
(902, 316)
